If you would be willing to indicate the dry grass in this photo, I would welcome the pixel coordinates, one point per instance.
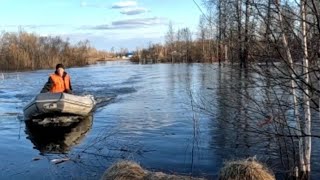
(236, 170)
(130, 170)
(95, 55)
(245, 170)
(124, 170)
(162, 176)
(28, 51)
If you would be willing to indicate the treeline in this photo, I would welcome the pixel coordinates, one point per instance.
(28, 51)
(179, 48)
(238, 31)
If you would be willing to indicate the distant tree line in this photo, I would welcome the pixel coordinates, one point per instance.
(179, 48)
(28, 51)
(237, 32)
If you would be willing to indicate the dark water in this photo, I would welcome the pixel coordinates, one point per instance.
(153, 119)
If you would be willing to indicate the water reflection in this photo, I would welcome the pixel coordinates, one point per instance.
(57, 139)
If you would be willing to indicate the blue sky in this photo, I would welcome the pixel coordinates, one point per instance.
(106, 24)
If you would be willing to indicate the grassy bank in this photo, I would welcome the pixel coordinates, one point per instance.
(27, 51)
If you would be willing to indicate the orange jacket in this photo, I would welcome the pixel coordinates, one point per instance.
(60, 84)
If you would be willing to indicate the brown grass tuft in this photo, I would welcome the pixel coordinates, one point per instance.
(130, 170)
(236, 170)
(124, 170)
(162, 176)
(245, 170)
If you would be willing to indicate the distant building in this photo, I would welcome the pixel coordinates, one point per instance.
(127, 55)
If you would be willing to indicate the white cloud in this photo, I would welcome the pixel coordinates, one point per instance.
(141, 21)
(126, 7)
(134, 23)
(134, 11)
(124, 4)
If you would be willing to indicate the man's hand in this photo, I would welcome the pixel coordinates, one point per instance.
(68, 91)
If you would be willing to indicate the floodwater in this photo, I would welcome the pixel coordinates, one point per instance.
(154, 119)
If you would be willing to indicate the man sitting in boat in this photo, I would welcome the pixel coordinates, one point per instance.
(58, 82)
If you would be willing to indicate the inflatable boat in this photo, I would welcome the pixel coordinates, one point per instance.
(47, 105)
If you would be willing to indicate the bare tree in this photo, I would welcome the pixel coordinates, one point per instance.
(306, 96)
(202, 35)
(170, 41)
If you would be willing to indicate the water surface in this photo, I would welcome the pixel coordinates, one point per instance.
(153, 119)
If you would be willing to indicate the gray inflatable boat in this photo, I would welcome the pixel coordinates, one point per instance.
(55, 104)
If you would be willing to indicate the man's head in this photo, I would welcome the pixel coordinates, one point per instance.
(60, 69)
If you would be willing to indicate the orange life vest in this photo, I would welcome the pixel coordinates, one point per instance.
(60, 84)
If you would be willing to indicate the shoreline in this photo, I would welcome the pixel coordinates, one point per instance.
(90, 62)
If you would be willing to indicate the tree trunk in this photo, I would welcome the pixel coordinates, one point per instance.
(315, 6)
(293, 87)
(246, 35)
(220, 32)
(225, 53)
(239, 14)
(306, 95)
(268, 29)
